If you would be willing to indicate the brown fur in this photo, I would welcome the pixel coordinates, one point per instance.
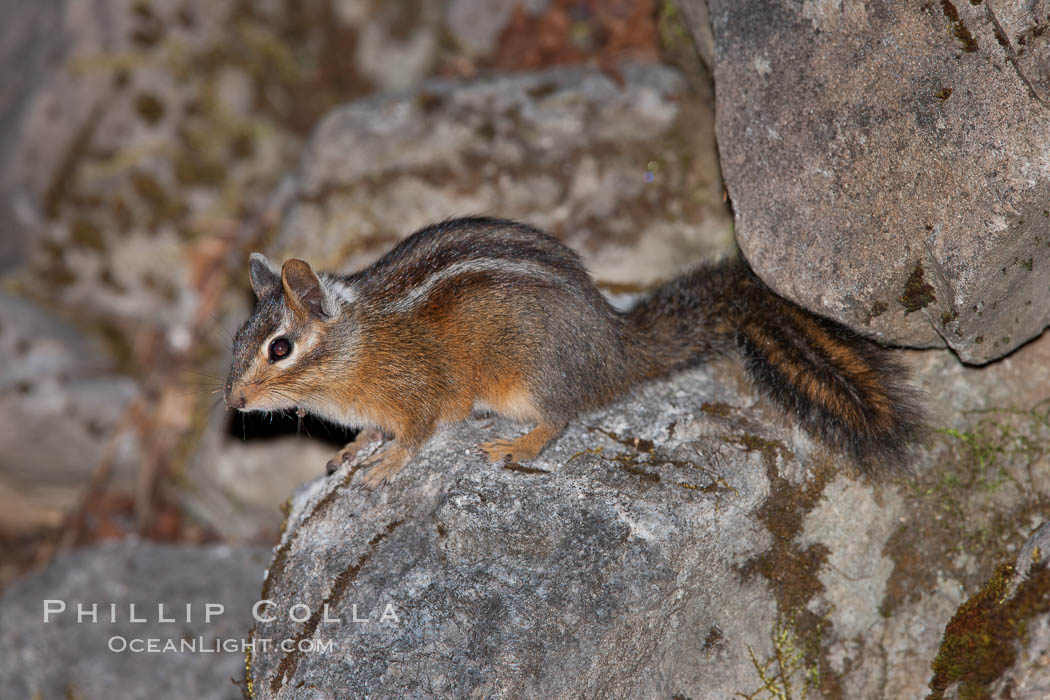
(493, 314)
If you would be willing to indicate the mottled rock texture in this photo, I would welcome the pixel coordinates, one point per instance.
(68, 657)
(60, 404)
(604, 568)
(617, 165)
(139, 144)
(686, 541)
(887, 162)
(28, 43)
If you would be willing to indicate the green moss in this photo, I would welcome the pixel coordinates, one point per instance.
(792, 572)
(522, 469)
(788, 673)
(191, 169)
(429, 102)
(917, 293)
(122, 215)
(753, 443)
(249, 683)
(542, 90)
(980, 641)
(119, 346)
(716, 408)
(645, 475)
(242, 145)
(149, 29)
(1004, 434)
(674, 35)
(959, 29)
(109, 280)
(87, 234)
(162, 206)
(588, 451)
(62, 184)
(149, 107)
(635, 443)
(980, 491)
(943, 93)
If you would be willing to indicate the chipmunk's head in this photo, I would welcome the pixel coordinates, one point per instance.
(284, 350)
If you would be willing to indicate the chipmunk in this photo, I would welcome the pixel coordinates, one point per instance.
(492, 314)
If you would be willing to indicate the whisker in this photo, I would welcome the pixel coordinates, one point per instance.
(218, 329)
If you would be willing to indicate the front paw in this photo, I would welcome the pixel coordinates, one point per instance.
(349, 453)
(378, 469)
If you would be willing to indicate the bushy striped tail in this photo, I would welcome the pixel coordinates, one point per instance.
(843, 388)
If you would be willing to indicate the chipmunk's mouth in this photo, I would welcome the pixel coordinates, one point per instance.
(229, 399)
(238, 401)
(237, 396)
(250, 396)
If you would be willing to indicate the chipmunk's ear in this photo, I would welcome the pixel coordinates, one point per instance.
(304, 292)
(263, 275)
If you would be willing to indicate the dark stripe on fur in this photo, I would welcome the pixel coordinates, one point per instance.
(842, 388)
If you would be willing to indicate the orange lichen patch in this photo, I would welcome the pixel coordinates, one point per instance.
(573, 31)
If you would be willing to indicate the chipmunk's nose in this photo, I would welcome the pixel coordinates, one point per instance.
(233, 400)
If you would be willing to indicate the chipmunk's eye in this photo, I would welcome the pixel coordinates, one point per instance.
(280, 348)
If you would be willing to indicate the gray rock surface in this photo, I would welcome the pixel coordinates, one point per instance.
(687, 540)
(239, 485)
(1028, 679)
(476, 26)
(67, 658)
(60, 403)
(621, 171)
(140, 141)
(887, 162)
(124, 146)
(29, 46)
(136, 136)
(603, 568)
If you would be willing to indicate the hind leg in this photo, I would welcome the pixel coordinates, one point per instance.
(525, 447)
